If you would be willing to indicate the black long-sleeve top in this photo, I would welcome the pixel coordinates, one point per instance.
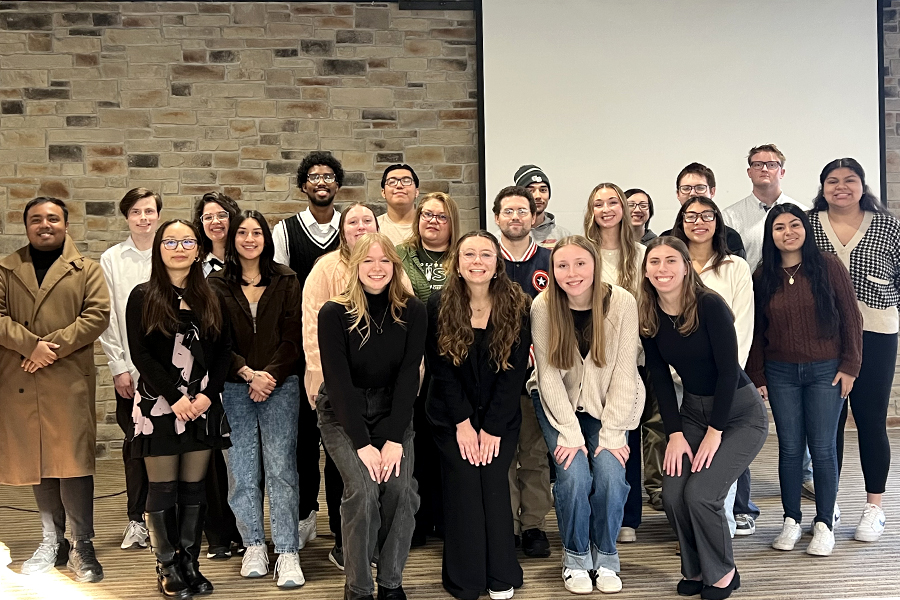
(475, 390)
(706, 361)
(388, 360)
(151, 353)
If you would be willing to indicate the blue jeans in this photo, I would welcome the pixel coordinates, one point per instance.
(275, 423)
(806, 408)
(590, 497)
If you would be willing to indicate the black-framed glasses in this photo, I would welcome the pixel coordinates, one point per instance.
(688, 189)
(394, 181)
(640, 205)
(172, 244)
(771, 165)
(427, 216)
(706, 216)
(317, 177)
(222, 215)
(522, 212)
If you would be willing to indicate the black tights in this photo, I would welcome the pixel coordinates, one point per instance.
(176, 479)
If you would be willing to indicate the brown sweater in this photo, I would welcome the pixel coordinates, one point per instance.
(792, 334)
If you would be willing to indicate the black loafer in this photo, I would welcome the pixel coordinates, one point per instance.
(386, 593)
(689, 587)
(711, 592)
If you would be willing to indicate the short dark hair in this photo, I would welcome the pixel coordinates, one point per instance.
(631, 192)
(222, 200)
(868, 201)
(42, 200)
(696, 168)
(397, 167)
(320, 158)
(132, 196)
(514, 190)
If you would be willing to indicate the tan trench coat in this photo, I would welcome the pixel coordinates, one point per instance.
(48, 425)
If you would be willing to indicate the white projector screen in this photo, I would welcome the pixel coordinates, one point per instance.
(631, 92)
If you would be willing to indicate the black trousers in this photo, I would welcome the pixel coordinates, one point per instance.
(220, 526)
(60, 498)
(479, 547)
(135, 471)
(427, 470)
(308, 437)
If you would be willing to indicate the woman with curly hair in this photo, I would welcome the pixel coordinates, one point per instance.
(477, 351)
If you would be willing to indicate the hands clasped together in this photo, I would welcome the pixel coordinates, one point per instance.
(477, 447)
(381, 464)
(43, 355)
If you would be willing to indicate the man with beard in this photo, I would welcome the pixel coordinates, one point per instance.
(545, 231)
(529, 475)
(399, 188)
(299, 241)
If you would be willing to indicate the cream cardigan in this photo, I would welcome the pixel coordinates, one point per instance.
(614, 394)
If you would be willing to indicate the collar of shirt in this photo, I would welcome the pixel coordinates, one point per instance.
(323, 228)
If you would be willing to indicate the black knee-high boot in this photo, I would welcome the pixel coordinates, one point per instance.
(190, 518)
(164, 538)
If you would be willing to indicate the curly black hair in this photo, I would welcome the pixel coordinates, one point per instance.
(320, 158)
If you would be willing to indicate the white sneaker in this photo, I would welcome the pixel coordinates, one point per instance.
(835, 520)
(871, 524)
(501, 595)
(578, 581)
(307, 530)
(136, 536)
(49, 554)
(790, 535)
(607, 581)
(626, 535)
(288, 571)
(823, 540)
(255, 562)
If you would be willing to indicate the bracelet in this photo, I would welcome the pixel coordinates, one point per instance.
(249, 381)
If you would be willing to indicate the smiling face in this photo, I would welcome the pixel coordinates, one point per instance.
(376, 270)
(639, 211)
(320, 193)
(178, 259)
(842, 188)
(515, 226)
(215, 221)
(434, 234)
(788, 232)
(541, 193)
(400, 197)
(358, 221)
(700, 231)
(666, 269)
(477, 260)
(607, 207)
(573, 271)
(143, 217)
(45, 225)
(248, 239)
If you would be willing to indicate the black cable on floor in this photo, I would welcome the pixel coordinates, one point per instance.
(30, 510)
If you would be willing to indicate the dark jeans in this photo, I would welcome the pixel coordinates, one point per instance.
(806, 408)
(135, 471)
(376, 519)
(57, 498)
(308, 455)
(743, 505)
(427, 470)
(869, 400)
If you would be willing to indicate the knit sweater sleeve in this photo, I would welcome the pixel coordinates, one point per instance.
(554, 396)
(851, 326)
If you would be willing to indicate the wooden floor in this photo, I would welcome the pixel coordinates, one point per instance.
(650, 568)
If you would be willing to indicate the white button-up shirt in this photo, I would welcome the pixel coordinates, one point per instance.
(321, 232)
(124, 267)
(748, 218)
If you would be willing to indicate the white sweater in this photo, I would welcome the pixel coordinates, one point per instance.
(734, 283)
(614, 394)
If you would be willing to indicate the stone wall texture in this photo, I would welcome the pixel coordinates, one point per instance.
(188, 97)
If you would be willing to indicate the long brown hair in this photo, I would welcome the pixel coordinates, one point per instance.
(159, 312)
(691, 289)
(415, 238)
(508, 305)
(563, 344)
(629, 278)
(343, 246)
(354, 297)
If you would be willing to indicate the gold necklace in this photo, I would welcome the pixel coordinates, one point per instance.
(791, 275)
(253, 280)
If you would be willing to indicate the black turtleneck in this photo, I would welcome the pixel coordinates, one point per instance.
(43, 260)
(389, 359)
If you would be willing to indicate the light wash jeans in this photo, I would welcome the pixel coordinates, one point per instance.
(275, 423)
(590, 498)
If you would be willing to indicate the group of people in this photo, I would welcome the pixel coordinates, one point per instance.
(439, 369)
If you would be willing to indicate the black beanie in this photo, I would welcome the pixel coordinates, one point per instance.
(528, 174)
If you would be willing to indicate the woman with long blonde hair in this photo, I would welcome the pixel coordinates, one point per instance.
(477, 351)
(605, 225)
(587, 394)
(371, 340)
(722, 423)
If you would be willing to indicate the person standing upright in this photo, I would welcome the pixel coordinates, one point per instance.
(399, 188)
(545, 231)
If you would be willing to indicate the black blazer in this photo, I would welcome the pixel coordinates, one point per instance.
(475, 390)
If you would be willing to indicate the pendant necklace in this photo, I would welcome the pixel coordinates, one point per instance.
(791, 275)
(379, 327)
(673, 319)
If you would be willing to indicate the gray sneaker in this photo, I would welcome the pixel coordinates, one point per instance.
(307, 530)
(136, 536)
(48, 555)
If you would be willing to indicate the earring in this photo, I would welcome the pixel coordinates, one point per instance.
(495, 276)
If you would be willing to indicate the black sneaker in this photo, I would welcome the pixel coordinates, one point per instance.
(535, 544)
(336, 556)
(385, 593)
(218, 553)
(84, 564)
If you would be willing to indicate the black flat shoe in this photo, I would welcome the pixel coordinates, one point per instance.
(711, 592)
(689, 587)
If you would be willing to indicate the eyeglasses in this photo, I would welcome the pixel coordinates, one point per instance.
(471, 255)
(640, 205)
(706, 215)
(427, 216)
(394, 182)
(171, 244)
(522, 212)
(317, 177)
(218, 216)
(771, 165)
(687, 189)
